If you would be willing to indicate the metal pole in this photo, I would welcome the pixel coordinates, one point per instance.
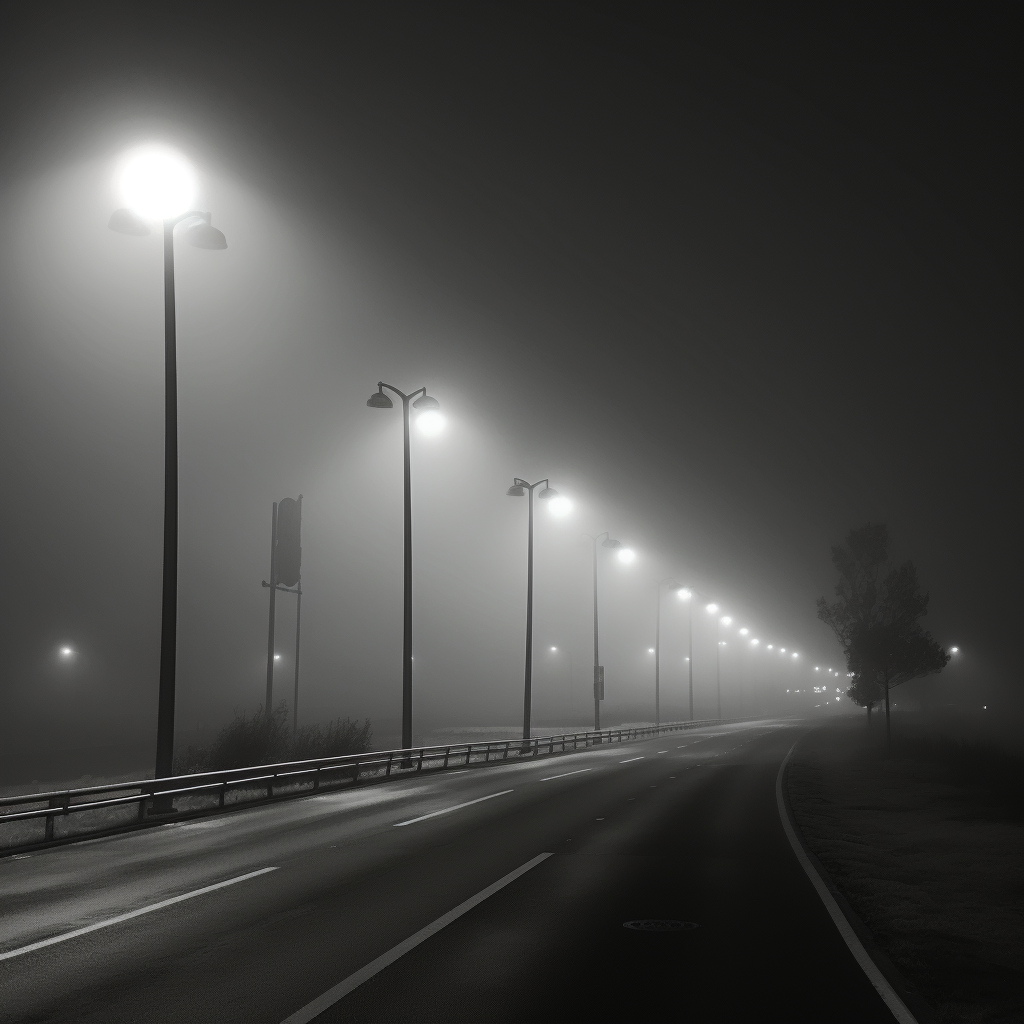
(268, 706)
(597, 702)
(689, 660)
(657, 663)
(169, 595)
(718, 672)
(298, 620)
(407, 611)
(527, 694)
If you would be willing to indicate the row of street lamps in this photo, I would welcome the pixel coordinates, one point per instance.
(158, 185)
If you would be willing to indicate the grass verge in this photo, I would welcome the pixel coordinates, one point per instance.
(928, 849)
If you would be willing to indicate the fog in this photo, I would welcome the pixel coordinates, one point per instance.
(727, 320)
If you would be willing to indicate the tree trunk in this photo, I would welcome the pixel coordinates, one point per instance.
(888, 731)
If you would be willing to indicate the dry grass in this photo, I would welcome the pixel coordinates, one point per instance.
(929, 856)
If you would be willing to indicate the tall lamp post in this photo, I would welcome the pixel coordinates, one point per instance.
(686, 594)
(625, 555)
(519, 489)
(657, 649)
(433, 422)
(159, 185)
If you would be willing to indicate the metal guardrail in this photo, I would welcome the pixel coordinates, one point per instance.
(299, 777)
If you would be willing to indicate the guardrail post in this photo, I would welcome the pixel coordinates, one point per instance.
(270, 785)
(419, 766)
(316, 779)
(220, 796)
(387, 774)
(469, 747)
(143, 797)
(447, 751)
(355, 774)
(55, 802)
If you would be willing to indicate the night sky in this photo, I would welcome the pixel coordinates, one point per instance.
(735, 280)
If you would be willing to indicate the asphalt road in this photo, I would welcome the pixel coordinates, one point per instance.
(681, 828)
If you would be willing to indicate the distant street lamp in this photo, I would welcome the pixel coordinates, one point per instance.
(685, 594)
(159, 185)
(568, 654)
(431, 411)
(657, 647)
(625, 555)
(519, 489)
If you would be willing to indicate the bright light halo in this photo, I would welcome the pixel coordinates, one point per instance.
(157, 183)
(627, 555)
(430, 422)
(559, 506)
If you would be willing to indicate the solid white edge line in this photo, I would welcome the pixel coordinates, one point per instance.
(353, 981)
(564, 774)
(448, 810)
(881, 984)
(628, 759)
(132, 913)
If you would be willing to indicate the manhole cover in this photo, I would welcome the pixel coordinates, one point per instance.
(659, 925)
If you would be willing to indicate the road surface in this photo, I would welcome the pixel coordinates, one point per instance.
(262, 914)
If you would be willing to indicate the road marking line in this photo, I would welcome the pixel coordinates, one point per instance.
(881, 984)
(448, 810)
(342, 989)
(662, 751)
(133, 913)
(564, 774)
(628, 759)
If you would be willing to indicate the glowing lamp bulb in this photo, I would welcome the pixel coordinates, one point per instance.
(684, 594)
(627, 555)
(711, 608)
(559, 506)
(430, 422)
(157, 183)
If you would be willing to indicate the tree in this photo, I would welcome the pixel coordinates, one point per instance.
(865, 692)
(876, 618)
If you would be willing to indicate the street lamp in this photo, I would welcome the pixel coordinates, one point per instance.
(657, 648)
(568, 653)
(518, 489)
(430, 409)
(685, 594)
(158, 185)
(608, 542)
(711, 609)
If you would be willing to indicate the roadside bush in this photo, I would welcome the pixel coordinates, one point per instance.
(266, 739)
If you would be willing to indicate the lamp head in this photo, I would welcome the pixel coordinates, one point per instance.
(626, 555)
(378, 400)
(203, 235)
(684, 594)
(548, 492)
(425, 402)
(608, 542)
(711, 608)
(515, 491)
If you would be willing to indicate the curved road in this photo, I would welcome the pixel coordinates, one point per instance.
(683, 828)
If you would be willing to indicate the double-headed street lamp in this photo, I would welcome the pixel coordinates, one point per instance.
(558, 506)
(625, 555)
(430, 422)
(159, 185)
